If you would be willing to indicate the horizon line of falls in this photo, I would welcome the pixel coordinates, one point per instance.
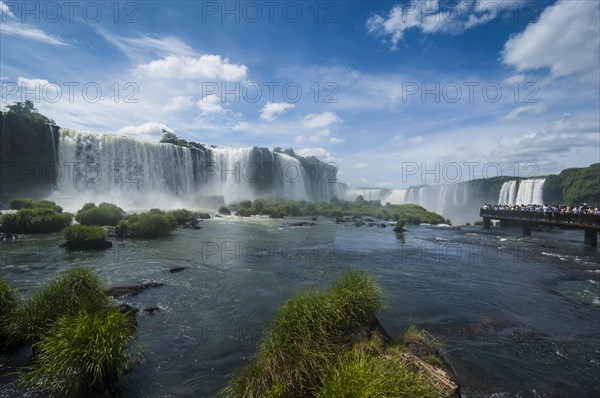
(452, 201)
(516, 192)
(139, 174)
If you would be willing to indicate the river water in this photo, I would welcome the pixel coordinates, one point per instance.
(519, 317)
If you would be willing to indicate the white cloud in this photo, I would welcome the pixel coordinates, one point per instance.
(416, 139)
(178, 103)
(320, 153)
(396, 138)
(325, 136)
(514, 79)
(321, 120)
(210, 104)
(13, 28)
(565, 39)
(4, 10)
(300, 139)
(272, 109)
(533, 108)
(336, 140)
(241, 126)
(360, 165)
(431, 16)
(151, 131)
(203, 67)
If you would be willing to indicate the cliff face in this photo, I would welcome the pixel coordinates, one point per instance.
(28, 147)
(574, 186)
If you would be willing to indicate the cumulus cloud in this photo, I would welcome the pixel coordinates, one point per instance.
(210, 104)
(432, 16)
(325, 136)
(272, 109)
(565, 39)
(151, 131)
(204, 67)
(321, 120)
(396, 138)
(178, 103)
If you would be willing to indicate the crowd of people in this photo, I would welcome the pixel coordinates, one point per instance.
(552, 212)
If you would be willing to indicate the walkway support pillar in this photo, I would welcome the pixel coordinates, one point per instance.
(486, 223)
(526, 229)
(591, 238)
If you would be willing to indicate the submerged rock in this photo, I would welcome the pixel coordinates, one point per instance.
(176, 269)
(302, 224)
(151, 310)
(120, 291)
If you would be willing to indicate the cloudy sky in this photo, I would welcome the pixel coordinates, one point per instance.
(394, 93)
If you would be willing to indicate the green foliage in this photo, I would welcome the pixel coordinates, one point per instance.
(171, 138)
(76, 290)
(224, 210)
(181, 215)
(307, 335)
(340, 208)
(84, 234)
(37, 220)
(9, 300)
(574, 186)
(26, 110)
(104, 214)
(28, 203)
(152, 224)
(81, 354)
(370, 370)
(244, 212)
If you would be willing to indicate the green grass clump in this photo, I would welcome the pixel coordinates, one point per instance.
(81, 354)
(76, 290)
(376, 372)
(36, 220)
(152, 224)
(9, 300)
(181, 215)
(28, 203)
(86, 237)
(307, 335)
(103, 214)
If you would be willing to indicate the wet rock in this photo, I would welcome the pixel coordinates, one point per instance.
(382, 225)
(176, 269)
(203, 216)
(151, 310)
(121, 291)
(302, 224)
(314, 218)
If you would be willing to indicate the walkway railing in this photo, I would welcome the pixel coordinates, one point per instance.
(554, 217)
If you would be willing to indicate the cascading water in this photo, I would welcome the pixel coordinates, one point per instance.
(508, 193)
(137, 174)
(531, 192)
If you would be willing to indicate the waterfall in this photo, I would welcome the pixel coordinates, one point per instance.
(396, 197)
(531, 192)
(508, 193)
(138, 174)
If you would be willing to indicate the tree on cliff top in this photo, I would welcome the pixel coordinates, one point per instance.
(26, 110)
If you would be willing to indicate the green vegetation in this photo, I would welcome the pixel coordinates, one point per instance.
(152, 224)
(78, 289)
(574, 186)
(325, 344)
(28, 203)
(103, 214)
(9, 300)
(338, 208)
(86, 237)
(81, 354)
(80, 341)
(26, 111)
(34, 221)
(224, 210)
(181, 216)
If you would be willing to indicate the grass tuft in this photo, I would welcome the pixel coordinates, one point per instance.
(76, 290)
(81, 353)
(9, 300)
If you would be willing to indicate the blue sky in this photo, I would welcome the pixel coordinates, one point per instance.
(395, 93)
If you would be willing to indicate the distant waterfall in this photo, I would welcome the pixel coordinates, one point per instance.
(141, 174)
(508, 193)
(522, 192)
(531, 192)
(385, 195)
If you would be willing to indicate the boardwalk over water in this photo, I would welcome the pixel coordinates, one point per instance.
(590, 223)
